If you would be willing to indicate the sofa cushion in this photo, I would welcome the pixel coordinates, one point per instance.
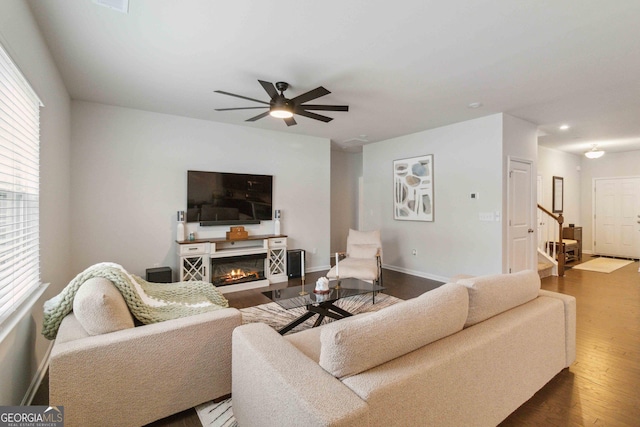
(100, 308)
(492, 295)
(355, 345)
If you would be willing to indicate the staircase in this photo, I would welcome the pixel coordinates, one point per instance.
(545, 269)
(551, 256)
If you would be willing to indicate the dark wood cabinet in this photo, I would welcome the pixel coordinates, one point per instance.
(573, 233)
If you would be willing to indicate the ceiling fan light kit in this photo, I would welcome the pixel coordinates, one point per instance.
(283, 108)
(594, 153)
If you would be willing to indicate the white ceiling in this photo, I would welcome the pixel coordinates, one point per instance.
(402, 67)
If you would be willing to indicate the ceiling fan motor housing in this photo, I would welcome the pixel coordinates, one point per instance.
(282, 86)
(280, 102)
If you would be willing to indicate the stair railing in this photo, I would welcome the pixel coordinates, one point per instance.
(550, 237)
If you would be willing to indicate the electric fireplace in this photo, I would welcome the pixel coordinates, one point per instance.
(238, 269)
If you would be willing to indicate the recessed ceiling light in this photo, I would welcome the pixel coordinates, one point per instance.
(564, 127)
(475, 105)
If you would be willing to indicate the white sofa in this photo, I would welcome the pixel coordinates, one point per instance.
(106, 372)
(467, 353)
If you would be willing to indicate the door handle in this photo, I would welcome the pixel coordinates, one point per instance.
(530, 230)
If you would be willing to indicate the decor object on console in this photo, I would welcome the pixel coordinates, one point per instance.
(237, 233)
(100, 361)
(363, 258)
(284, 108)
(476, 332)
(413, 189)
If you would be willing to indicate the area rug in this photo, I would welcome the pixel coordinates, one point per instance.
(602, 265)
(221, 414)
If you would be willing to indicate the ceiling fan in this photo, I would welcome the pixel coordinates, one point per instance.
(281, 107)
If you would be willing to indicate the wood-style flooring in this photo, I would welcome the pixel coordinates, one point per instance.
(602, 388)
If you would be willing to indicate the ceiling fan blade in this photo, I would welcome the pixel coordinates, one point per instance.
(258, 117)
(314, 116)
(290, 121)
(239, 108)
(308, 96)
(323, 107)
(240, 96)
(269, 88)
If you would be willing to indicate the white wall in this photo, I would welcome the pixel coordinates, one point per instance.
(519, 142)
(558, 163)
(611, 165)
(129, 177)
(467, 158)
(22, 351)
(346, 168)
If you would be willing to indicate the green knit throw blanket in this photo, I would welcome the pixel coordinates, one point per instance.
(148, 302)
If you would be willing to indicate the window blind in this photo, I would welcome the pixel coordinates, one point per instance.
(19, 187)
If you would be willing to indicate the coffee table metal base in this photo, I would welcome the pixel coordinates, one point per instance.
(323, 309)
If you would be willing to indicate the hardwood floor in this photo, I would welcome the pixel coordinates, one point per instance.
(601, 388)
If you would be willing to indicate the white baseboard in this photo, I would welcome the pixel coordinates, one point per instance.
(37, 379)
(416, 273)
(321, 268)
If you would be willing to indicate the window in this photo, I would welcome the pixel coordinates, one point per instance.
(19, 187)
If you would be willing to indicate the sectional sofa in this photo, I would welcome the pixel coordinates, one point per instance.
(468, 353)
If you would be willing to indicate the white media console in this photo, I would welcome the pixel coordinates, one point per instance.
(195, 258)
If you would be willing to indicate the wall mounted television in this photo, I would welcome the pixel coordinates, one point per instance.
(222, 198)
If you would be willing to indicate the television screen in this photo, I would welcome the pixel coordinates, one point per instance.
(220, 198)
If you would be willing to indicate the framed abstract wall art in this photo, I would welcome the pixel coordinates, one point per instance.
(413, 189)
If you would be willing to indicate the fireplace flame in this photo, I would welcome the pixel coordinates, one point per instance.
(239, 274)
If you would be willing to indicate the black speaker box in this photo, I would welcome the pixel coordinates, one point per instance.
(294, 262)
(159, 275)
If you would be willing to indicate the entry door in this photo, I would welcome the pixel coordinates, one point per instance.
(520, 228)
(616, 208)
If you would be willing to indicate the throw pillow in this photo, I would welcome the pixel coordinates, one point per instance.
(359, 343)
(492, 295)
(363, 251)
(100, 308)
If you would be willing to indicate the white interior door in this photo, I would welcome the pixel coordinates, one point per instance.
(520, 228)
(616, 210)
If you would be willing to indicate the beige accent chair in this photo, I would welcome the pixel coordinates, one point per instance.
(362, 259)
(107, 372)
